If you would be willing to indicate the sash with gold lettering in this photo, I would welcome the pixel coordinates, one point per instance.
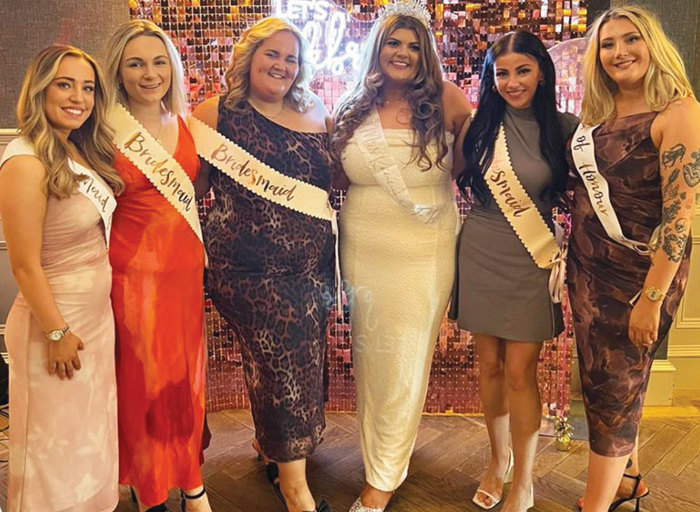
(156, 164)
(266, 182)
(97, 192)
(583, 152)
(524, 217)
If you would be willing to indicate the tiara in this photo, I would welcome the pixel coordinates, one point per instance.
(414, 8)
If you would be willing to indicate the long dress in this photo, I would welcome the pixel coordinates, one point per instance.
(398, 273)
(270, 276)
(159, 310)
(603, 276)
(63, 442)
(502, 292)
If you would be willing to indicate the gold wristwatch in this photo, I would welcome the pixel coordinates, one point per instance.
(57, 334)
(654, 294)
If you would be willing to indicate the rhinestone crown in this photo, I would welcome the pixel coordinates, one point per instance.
(414, 8)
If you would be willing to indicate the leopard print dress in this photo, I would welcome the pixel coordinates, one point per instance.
(271, 276)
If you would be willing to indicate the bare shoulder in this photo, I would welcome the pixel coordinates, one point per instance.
(681, 119)
(455, 106)
(27, 168)
(317, 113)
(208, 111)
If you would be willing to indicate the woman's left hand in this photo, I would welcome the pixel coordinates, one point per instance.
(644, 322)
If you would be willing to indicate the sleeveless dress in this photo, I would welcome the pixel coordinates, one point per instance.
(502, 292)
(398, 273)
(603, 276)
(271, 276)
(158, 300)
(63, 442)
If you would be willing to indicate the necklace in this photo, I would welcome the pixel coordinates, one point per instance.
(261, 111)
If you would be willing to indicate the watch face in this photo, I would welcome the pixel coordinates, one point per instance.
(55, 335)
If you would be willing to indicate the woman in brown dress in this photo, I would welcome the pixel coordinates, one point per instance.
(647, 147)
(271, 268)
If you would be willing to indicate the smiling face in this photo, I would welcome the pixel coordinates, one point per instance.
(399, 56)
(70, 97)
(517, 76)
(623, 53)
(145, 71)
(274, 67)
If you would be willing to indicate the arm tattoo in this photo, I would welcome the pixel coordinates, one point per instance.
(691, 171)
(670, 190)
(673, 155)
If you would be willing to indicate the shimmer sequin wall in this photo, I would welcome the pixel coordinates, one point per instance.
(205, 31)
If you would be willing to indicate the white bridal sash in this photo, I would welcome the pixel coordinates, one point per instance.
(385, 169)
(583, 152)
(156, 164)
(524, 217)
(97, 192)
(266, 182)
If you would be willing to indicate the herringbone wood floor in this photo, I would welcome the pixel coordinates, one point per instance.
(450, 457)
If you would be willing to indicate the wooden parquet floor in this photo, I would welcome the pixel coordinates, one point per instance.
(450, 457)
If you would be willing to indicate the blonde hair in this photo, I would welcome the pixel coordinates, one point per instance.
(175, 100)
(238, 73)
(93, 138)
(424, 96)
(665, 80)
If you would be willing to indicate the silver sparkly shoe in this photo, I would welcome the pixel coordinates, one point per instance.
(359, 507)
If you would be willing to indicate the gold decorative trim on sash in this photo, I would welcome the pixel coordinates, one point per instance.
(268, 183)
(524, 217)
(98, 193)
(156, 164)
(583, 153)
(258, 177)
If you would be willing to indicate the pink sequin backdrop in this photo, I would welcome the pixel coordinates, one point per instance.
(205, 30)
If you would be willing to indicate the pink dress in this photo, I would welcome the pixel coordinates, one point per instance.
(63, 434)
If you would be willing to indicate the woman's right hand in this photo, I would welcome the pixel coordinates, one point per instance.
(63, 355)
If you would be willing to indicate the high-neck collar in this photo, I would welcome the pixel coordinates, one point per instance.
(523, 113)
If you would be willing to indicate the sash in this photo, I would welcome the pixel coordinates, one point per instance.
(156, 164)
(96, 191)
(522, 214)
(99, 194)
(385, 169)
(583, 152)
(266, 182)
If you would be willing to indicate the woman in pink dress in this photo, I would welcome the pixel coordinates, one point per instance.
(56, 200)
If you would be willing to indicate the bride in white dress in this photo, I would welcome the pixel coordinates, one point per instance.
(394, 135)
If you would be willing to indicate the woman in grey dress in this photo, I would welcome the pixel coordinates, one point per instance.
(504, 298)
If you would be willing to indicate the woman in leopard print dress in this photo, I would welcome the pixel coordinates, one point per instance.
(271, 268)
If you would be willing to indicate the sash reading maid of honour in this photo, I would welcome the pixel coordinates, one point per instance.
(524, 217)
(266, 182)
(385, 169)
(583, 152)
(156, 164)
(98, 193)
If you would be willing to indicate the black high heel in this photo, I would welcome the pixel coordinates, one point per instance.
(184, 497)
(322, 507)
(633, 495)
(157, 508)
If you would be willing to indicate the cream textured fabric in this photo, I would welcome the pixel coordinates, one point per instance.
(398, 273)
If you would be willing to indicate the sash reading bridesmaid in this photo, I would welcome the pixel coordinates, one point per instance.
(270, 243)
(637, 153)
(158, 259)
(516, 171)
(57, 190)
(395, 134)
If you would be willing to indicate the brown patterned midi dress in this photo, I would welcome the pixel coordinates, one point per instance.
(271, 276)
(604, 275)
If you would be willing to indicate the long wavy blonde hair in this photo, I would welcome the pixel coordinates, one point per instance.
(93, 138)
(238, 72)
(665, 81)
(424, 96)
(175, 100)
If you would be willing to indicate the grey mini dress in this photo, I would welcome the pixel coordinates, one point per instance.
(501, 292)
